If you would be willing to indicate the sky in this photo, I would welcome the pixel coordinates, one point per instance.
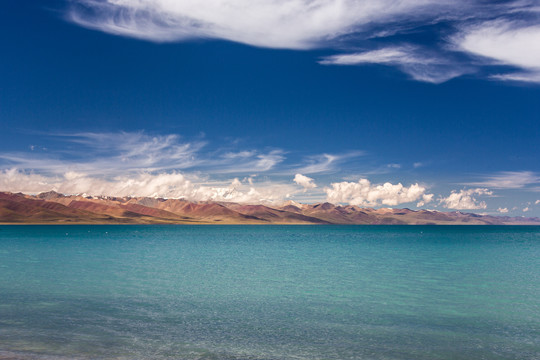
(415, 103)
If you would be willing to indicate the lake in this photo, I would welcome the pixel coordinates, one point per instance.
(269, 292)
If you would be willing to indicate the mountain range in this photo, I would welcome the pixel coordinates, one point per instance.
(54, 208)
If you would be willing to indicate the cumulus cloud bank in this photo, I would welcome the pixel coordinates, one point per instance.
(363, 193)
(465, 200)
(503, 32)
(166, 185)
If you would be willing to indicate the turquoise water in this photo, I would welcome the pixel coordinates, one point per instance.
(269, 292)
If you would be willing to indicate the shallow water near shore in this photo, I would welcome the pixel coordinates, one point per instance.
(269, 292)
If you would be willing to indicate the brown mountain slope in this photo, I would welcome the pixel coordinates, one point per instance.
(117, 210)
(274, 216)
(173, 210)
(213, 212)
(338, 214)
(54, 208)
(18, 208)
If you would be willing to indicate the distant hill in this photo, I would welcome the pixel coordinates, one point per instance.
(54, 208)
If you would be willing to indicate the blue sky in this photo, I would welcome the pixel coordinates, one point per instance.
(418, 104)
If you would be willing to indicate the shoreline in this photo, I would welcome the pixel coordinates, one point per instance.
(270, 224)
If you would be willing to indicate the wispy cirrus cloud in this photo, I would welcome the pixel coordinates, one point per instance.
(243, 162)
(511, 42)
(105, 153)
(134, 151)
(508, 180)
(292, 24)
(467, 36)
(417, 63)
(124, 152)
(324, 163)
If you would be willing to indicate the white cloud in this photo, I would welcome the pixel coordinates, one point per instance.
(345, 24)
(363, 193)
(111, 153)
(304, 181)
(16, 181)
(137, 164)
(320, 163)
(502, 210)
(243, 162)
(537, 202)
(127, 152)
(505, 42)
(426, 198)
(266, 162)
(411, 60)
(293, 24)
(268, 192)
(526, 209)
(390, 55)
(509, 180)
(465, 200)
(236, 183)
(167, 185)
(521, 76)
(325, 162)
(239, 155)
